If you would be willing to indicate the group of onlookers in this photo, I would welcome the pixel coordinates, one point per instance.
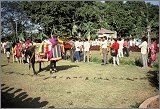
(149, 50)
(6, 48)
(14, 48)
(80, 50)
(117, 47)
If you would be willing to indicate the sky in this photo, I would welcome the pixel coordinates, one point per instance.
(154, 2)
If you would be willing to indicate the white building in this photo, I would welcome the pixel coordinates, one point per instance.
(107, 33)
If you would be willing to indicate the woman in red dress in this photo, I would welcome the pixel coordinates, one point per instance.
(153, 48)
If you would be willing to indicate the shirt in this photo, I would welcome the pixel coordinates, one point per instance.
(125, 44)
(143, 47)
(120, 44)
(104, 44)
(81, 45)
(77, 45)
(130, 43)
(86, 46)
(7, 45)
(115, 46)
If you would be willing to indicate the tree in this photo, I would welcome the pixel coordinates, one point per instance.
(59, 17)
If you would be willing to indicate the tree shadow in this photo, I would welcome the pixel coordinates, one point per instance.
(10, 100)
(59, 68)
(153, 78)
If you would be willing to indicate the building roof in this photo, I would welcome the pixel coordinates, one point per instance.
(103, 31)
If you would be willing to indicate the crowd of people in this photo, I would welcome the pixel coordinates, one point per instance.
(116, 47)
(16, 49)
(80, 50)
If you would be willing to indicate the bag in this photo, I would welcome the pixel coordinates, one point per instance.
(113, 52)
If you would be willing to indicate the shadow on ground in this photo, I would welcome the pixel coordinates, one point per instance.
(17, 73)
(59, 68)
(19, 99)
(153, 78)
(4, 65)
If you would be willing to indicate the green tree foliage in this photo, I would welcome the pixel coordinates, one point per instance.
(59, 17)
(10, 14)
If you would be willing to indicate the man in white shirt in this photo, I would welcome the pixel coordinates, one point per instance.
(77, 53)
(104, 50)
(144, 47)
(120, 50)
(86, 50)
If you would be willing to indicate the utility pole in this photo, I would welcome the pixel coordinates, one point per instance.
(148, 28)
(148, 35)
(16, 28)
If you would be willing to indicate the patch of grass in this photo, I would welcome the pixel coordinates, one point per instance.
(135, 105)
(91, 92)
(156, 65)
(127, 62)
(96, 60)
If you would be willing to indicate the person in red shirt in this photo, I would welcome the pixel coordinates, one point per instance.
(18, 51)
(126, 48)
(114, 52)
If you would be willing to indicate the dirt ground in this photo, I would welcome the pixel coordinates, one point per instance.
(75, 85)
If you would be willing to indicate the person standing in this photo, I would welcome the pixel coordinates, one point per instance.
(104, 51)
(3, 46)
(7, 47)
(81, 42)
(130, 44)
(13, 51)
(114, 52)
(72, 50)
(144, 47)
(77, 53)
(19, 51)
(86, 50)
(120, 50)
(126, 48)
(153, 48)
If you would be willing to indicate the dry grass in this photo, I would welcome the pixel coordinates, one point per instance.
(82, 85)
